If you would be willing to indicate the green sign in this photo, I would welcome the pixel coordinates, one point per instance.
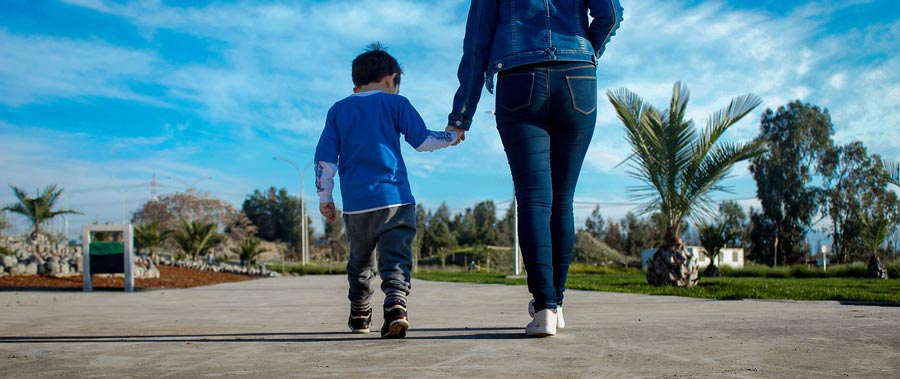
(107, 248)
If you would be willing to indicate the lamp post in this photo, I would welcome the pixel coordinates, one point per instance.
(302, 206)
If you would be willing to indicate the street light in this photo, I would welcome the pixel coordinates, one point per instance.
(302, 206)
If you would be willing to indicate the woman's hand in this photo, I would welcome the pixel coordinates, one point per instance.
(460, 134)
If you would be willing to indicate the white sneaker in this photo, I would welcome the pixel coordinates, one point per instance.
(543, 324)
(560, 321)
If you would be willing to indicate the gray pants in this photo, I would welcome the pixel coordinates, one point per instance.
(390, 231)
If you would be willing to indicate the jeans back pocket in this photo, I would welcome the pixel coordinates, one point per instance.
(514, 90)
(583, 91)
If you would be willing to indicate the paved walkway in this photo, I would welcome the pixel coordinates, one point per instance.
(295, 327)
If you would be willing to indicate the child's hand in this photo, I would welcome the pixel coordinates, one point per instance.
(327, 210)
(460, 134)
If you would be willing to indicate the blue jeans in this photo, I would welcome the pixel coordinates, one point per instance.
(546, 115)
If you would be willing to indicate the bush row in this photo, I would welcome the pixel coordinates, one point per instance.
(856, 270)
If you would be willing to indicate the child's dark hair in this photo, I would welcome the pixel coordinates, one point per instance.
(373, 65)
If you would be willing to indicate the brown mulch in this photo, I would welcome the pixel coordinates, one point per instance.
(169, 277)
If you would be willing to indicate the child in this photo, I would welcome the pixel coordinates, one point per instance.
(361, 141)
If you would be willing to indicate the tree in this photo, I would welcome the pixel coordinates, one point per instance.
(485, 219)
(334, 236)
(421, 223)
(170, 210)
(875, 232)
(464, 229)
(734, 220)
(594, 224)
(148, 236)
(637, 235)
(798, 135)
(38, 209)
(438, 239)
(854, 189)
(277, 215)
(679, 167)
(713, 238)
(197, 237)
(506, 227)
(241, 227)
(613, 236)
(249, 250)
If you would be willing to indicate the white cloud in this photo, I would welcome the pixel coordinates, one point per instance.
(37, 69)
(837, 81)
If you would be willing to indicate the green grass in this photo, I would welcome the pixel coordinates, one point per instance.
(313, 268)
(633, 281)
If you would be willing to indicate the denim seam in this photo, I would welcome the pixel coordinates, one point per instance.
(573, 68)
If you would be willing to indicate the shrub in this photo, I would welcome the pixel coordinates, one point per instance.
(893, 269)
(855, 270)
(314, 268)
(6, 251)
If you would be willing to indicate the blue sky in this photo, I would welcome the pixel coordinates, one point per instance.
(98, 96)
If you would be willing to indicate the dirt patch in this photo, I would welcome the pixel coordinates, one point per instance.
(169, 277)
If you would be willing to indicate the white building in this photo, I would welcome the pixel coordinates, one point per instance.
(730, 256)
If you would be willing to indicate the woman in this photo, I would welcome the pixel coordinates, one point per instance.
(544, 53)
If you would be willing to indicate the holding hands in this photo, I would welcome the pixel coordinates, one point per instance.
(460, 134)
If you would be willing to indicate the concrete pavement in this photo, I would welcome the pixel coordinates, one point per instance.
(295, 327)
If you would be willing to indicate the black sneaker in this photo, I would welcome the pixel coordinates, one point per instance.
(395, 321)
(359, 321)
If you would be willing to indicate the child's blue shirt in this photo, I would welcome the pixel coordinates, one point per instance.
(362, 136)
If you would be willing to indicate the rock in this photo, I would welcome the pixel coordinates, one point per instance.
(2, 269)
(52, 268)
(64, 268)
(31, 269)
(9, 260)
(152, 273)
(139, 272)
(18, 269)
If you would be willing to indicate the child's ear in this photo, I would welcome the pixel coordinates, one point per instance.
(356, 89)
(390, 80)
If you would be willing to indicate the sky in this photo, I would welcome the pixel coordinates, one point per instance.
(99, 97)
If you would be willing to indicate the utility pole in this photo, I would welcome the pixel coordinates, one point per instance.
(304, 237)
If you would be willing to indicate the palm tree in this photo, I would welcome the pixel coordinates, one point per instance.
(197, 237)
(249, 249)
(38, 209)
(147, 236)
(680, 167)
(713, 239)
(875, 232)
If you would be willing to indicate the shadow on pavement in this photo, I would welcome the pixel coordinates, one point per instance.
(414, 334)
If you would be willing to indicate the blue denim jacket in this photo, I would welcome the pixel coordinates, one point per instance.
(502, 34)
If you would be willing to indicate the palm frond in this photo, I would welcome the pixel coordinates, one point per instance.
(678, 166)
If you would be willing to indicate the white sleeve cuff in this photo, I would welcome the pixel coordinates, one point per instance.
(437, 140)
